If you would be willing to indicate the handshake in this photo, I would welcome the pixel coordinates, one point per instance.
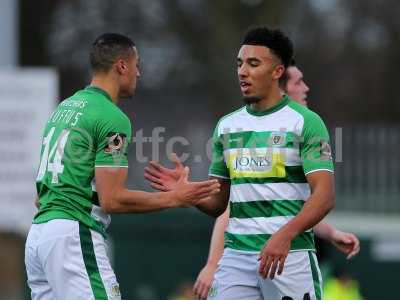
(175, 181)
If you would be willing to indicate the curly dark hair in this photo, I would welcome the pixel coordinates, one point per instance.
(274, 39)
(107, 48)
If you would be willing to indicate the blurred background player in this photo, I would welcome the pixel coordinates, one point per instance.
(342, 286)
(275, 198)
(292, 83)
(81, 180)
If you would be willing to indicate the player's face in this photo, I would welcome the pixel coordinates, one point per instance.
(257, 70)
(129, 75)
(296, 88)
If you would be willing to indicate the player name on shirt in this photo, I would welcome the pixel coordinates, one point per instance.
(86, 131)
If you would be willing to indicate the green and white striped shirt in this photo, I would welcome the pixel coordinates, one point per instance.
(267, 155)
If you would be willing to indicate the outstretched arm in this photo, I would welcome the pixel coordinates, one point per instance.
(346, 242)
(164, 179)
(206, 275)
(115, 198)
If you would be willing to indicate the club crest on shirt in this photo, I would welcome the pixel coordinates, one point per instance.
(277, 138)
(115, 142)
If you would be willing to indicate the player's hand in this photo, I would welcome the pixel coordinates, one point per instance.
(273, 255)
(204, 280)
(187, 193)
(161, 178)
(346, 242)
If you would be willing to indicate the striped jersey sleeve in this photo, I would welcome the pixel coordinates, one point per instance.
(218, 166)
(315, 149)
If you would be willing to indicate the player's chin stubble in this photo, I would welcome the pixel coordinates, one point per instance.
(251, 99)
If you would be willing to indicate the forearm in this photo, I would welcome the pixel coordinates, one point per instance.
(213, 207)
(324, 231)
(216, 205)
(314, 210)
(134, 201)
(217, 238)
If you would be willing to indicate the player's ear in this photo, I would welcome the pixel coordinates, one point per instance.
(121, 66)
(278, 72)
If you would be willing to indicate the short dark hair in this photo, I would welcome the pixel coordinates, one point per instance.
(274, 39)
(107, 48)
(283, 80)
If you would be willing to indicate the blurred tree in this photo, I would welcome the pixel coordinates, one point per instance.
(345, 48)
